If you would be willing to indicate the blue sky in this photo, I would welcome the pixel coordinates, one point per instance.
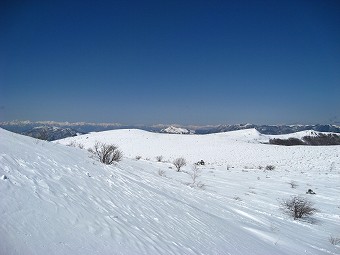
(186, 62)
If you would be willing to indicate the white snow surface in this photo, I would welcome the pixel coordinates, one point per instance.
(59, 200)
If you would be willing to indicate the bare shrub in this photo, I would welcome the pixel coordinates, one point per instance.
(334, 240)
(293, 184)
(298, 207)
(138, 157)
(107, 153)
(195, 173)
(161, 172)
(270, 167)
(80, 146)
(159, 158)
(179, 162)
(90, 150)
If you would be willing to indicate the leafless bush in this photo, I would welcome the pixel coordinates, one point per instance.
(298, 207)
(334, 240)
(179, 162)
(107, 153)
(161, 172)
(80, 146)
(90, 150)
(270, 167)
(195, 173)
(138, 157)
(293, 184)
(159, 158)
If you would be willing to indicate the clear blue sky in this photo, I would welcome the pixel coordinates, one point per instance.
(186, 62)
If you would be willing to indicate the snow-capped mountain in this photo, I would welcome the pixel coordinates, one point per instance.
(176, 130)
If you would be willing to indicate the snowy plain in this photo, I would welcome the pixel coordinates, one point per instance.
(57, 199)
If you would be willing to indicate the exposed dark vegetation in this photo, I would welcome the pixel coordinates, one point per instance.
(107, 153)
(286, 142)
(334, 240)
(270, 167)
(320, 139)
(159, 158)
(298, 207)
(178, 163)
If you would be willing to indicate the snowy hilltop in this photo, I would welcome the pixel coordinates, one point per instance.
(57, 198)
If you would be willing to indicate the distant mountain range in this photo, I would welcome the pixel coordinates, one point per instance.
(52, 130)
(269, 129)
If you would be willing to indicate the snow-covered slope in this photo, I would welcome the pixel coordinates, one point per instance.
(57, 200)
(238, 148)
(298, 135)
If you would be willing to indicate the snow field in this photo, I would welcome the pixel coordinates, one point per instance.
(59, 200)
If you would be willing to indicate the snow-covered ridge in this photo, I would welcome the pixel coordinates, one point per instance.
(237, 147)
(299, 135)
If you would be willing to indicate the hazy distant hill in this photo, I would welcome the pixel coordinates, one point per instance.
(18, 126)
(269, 129)
(50, 133)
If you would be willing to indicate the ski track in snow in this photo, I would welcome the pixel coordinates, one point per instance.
(59, 200)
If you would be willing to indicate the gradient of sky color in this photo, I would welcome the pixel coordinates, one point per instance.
(186, 62)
